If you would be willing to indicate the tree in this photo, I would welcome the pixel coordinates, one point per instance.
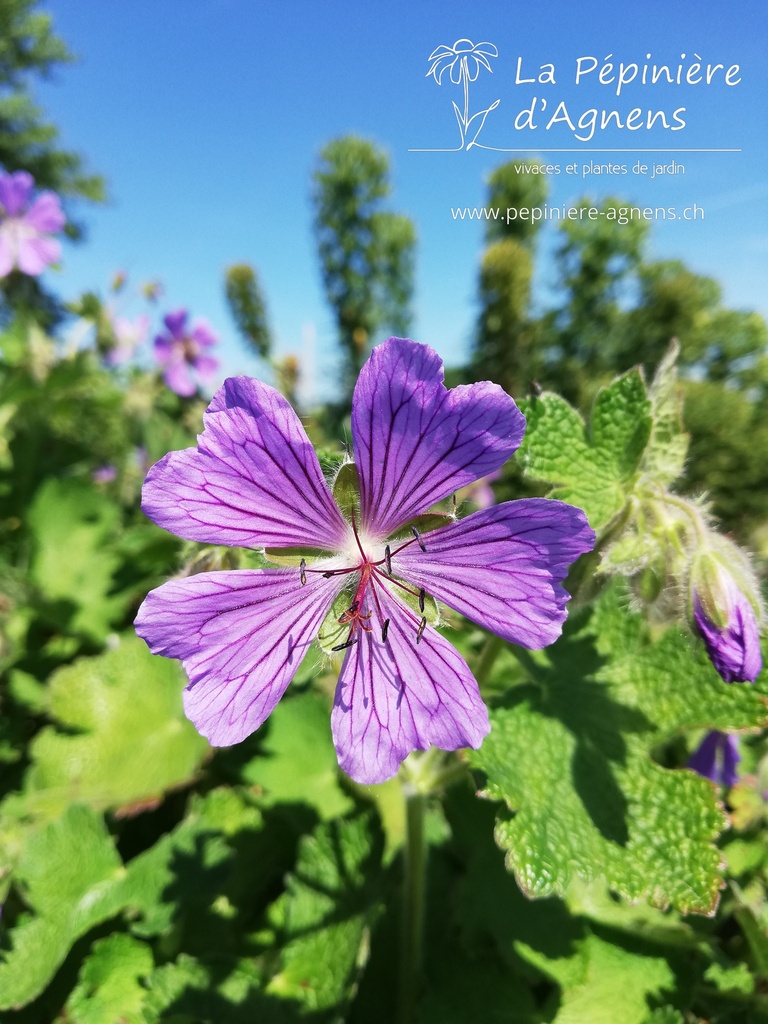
(30, 49)
(366, 252)
(504, 340)
(504, 335)
(516, 185)
(248, 309)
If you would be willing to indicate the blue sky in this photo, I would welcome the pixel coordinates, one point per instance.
(206, 118)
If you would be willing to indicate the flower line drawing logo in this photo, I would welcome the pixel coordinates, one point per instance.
(463, 61)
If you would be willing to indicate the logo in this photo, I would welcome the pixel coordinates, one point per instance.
(463, 62)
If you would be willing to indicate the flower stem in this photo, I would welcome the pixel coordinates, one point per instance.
(487, 657)
(414, 893)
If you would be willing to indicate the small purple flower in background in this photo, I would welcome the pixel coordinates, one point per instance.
(254, 480)
(104, 475)
(182, 352)
(717, 758)
(726, 621)
(26, 226)
(128, 335)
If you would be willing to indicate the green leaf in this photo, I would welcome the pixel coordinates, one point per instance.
(74, 559)
(70, 876)
(570, 754)
(110, 985)
(602, 983)
(120, 736)
(664, 458)
(331, 902)
(594, 469)
(297, 762)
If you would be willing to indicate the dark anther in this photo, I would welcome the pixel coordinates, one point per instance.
(327, 575)
(384, 631)
(388, 559)
(349, 613)
(347, 643)
(420, 630)
(422, 595)
(302, 570)
(417, 535)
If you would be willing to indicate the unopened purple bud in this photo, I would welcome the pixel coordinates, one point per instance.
(726, 621)
(717, 758)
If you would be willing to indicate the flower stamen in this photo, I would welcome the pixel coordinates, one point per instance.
(417, 535)
(420, 630)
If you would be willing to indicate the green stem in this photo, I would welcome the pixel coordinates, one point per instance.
(487, 657)
(414, 893)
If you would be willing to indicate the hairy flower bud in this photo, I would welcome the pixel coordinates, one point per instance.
(725, 613)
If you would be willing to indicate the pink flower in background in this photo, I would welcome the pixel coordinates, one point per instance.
(183, 353)
(129, 335)
(26, 227)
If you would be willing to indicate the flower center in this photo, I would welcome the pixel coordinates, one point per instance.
(372, 563)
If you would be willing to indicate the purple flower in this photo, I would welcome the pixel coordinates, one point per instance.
(255, 481)
(182, 350)
(104, 474)
(727, 623)
(716, 758)
(25, 228)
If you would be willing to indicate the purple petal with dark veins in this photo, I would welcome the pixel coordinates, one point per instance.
(717, 758)
(241, 636)
(399, 696)
(502, 566)
(254, 479)
(416, 442)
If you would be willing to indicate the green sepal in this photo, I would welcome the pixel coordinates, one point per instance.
(293, 556)
(332, 632)
(424, 524)
(346, 489)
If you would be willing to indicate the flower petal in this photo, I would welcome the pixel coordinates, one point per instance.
(178, 378)
(176, 321)
(397, 696)
(502, 566)
(35, 254)
(240, 635)
(15, 190)
(415, 441)
(253, 481)
(46, 214)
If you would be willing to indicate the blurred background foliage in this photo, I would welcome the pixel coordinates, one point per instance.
(145, 877)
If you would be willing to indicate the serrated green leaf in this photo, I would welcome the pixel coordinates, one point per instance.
(110, 985)
(331, 902)
(121, 734)
(603, 983)
(70, 876)
(594, 470)
(297, 762)
(74, 557)
(571, 757)
(222, 990)
(664, 458)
